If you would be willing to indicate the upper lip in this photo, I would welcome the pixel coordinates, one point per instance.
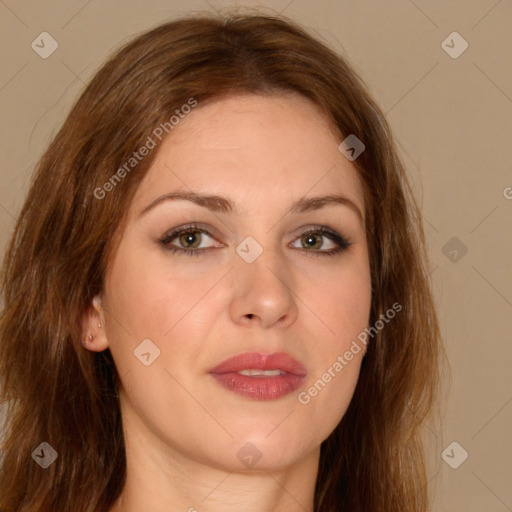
(254, 360)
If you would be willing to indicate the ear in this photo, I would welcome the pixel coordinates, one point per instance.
(93, 327)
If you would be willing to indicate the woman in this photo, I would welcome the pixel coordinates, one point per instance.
(216, 294)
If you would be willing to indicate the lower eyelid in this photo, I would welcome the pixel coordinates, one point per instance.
(339, 245)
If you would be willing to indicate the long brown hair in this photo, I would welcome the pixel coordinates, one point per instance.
(56, 391)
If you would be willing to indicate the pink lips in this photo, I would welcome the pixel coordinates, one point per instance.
(260, 387)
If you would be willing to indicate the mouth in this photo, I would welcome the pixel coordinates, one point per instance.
(260, 377)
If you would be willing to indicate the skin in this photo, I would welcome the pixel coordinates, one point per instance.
(182, 429)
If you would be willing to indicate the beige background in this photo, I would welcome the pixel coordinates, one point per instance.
(453, 118)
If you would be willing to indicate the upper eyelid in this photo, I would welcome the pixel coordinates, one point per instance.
(314, 228)
(207, 230)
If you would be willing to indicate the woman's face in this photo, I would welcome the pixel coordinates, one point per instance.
(264, 279)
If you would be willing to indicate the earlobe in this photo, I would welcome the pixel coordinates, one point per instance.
(94, 337)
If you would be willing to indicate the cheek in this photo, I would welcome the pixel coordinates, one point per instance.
(351, 310)
(343, 304)
(153, 297)
(342, 300)
(149, 293)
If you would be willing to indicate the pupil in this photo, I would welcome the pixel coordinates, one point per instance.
(310, 240)
(190, 238)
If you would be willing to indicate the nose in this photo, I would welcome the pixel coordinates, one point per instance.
(263, 292)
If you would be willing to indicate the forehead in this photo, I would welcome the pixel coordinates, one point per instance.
(261, 151)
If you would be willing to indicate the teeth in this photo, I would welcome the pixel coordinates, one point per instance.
(257, 373)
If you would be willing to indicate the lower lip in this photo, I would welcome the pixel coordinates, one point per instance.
(259, 388)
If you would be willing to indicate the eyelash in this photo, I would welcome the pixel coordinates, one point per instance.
(342, 242)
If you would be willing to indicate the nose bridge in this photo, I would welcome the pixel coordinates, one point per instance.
(262, 283)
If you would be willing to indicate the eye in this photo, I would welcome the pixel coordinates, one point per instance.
(190, 241)
(313, 240)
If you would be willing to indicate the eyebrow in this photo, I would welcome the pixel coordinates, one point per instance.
(221, 204)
